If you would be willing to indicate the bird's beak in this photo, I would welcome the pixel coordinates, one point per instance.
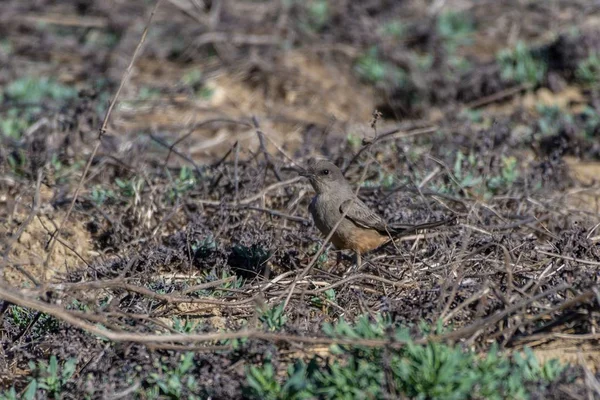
(305, 173)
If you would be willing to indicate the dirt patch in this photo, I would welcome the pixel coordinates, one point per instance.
(295, 90)
(31, 249)
(298, 87)
(569, 99)
(570, 352)
(195, 312)
(587, 173)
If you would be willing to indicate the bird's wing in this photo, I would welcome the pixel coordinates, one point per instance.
(361, 215)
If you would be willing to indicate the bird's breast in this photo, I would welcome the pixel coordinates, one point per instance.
(324, 213)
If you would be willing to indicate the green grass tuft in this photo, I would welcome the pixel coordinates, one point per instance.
(519, 65)
(421, 371)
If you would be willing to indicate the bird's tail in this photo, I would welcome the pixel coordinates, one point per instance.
(400, 230)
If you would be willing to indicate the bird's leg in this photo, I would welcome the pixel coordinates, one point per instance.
(355, 267)
(338, 260)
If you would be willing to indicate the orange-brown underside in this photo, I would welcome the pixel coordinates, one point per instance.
(362, 240)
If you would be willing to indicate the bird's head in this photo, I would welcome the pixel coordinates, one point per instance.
(325, 176)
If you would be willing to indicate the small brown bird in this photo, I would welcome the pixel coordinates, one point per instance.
(361, 230)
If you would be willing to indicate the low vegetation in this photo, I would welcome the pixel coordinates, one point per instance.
(172, 255)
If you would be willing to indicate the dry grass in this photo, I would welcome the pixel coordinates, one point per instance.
(184, 207)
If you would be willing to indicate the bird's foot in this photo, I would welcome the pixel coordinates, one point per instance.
(355, 267)
(339, 261)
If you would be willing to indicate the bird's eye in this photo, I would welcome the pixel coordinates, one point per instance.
(325, 172)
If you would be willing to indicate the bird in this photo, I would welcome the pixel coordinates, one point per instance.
(361, 229)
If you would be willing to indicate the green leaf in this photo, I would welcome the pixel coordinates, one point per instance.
(31, 390)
